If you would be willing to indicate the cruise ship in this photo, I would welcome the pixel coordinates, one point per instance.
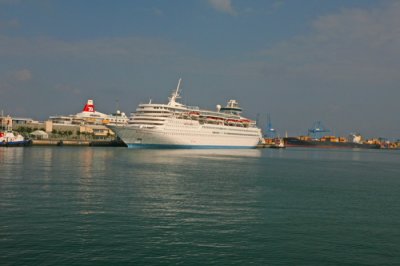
(175, 125)
(90, 116)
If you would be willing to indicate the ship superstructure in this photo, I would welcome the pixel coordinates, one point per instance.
(89, 115)
(175, 125)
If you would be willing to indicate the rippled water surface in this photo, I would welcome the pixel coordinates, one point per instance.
(113, 206)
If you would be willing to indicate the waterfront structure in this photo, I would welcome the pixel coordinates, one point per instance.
(318, 137)
(64, 130)
(175, 125)
(90, 116)
(7, 136)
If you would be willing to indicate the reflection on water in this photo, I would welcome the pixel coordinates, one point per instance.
(360, 155)
(11, 155)
(175, 156)
(11, 162)
(221, 207)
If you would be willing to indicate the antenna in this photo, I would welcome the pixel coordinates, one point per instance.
(117, 104)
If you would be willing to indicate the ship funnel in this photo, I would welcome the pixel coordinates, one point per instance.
(89, 106)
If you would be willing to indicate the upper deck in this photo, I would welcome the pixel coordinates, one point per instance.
(156, 114)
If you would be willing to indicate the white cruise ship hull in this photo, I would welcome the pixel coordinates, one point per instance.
(175, 125)
(189, 137)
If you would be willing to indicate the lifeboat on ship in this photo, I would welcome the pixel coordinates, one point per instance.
(245, 122)
(194, 115)
(214, 120)
(232, 122)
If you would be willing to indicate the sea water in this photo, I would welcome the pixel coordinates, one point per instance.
(116, 206)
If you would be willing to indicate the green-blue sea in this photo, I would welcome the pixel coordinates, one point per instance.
(116, 206)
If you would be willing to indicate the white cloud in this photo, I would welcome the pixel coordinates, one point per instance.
(278, 4)
(4, 87)
(9, 24)
(65, 88)
(345, 71)
(13, 81)
(23, 75)
(355, 46)
(224, 6)
(9, 2)
(158, 12)
(115, 47)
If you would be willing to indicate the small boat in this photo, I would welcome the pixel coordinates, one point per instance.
(10, 139)
(194, 114)
(278, 143)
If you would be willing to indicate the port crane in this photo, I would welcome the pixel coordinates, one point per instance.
(270, 132)
(318, 130)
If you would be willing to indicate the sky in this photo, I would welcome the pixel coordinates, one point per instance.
(335, 61)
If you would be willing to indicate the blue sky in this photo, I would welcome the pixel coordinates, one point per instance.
(300, 61)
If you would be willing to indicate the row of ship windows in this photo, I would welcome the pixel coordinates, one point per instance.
(214, 132)
(227, 128)
(157, 122)
(214, 128)
(180, 124)
(190, 108)
(150, 109)
(160, 107)
(148, 118)
(146, 123)
(180, 112)
(194, 134)
(153, 112)
(238, 134)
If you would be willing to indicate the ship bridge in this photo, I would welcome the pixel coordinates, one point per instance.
(232, 108)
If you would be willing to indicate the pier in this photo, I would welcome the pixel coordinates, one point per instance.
(91, 143)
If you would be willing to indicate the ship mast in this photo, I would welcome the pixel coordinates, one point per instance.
(175, 95)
